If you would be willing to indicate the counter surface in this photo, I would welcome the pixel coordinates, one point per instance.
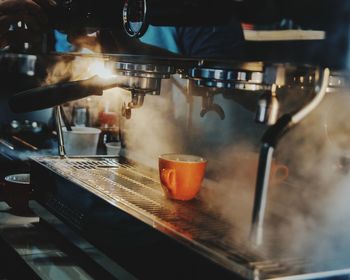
(37, 248)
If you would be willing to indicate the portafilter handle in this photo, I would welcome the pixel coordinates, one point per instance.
(57, 94)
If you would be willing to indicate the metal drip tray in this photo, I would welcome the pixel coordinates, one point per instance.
(137, 192)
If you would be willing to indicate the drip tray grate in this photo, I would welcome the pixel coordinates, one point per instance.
(137, 191)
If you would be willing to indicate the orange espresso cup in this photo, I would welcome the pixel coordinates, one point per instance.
(181, 175)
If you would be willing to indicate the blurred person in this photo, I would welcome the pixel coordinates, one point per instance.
(221, 41)
(213, 41)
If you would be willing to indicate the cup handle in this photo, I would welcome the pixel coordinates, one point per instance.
(280, 173)
(169, 177)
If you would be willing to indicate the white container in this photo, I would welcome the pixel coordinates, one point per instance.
(81, 140)
(113, 148)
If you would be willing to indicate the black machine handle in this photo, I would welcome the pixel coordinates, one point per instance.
(57, 94)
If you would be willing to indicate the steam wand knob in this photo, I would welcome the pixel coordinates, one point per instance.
(268, 107)
(209, 105)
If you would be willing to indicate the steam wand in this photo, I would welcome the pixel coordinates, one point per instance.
(269, 143)
(58, 118)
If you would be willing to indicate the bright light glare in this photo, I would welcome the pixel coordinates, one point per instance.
(98, 68)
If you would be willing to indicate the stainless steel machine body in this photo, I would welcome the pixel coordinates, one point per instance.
(107, 199)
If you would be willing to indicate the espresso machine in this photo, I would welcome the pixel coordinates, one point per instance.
(112, 209)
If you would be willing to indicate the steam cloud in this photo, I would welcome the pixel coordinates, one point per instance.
(307, 216)
(316, 203)
(153, 130)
